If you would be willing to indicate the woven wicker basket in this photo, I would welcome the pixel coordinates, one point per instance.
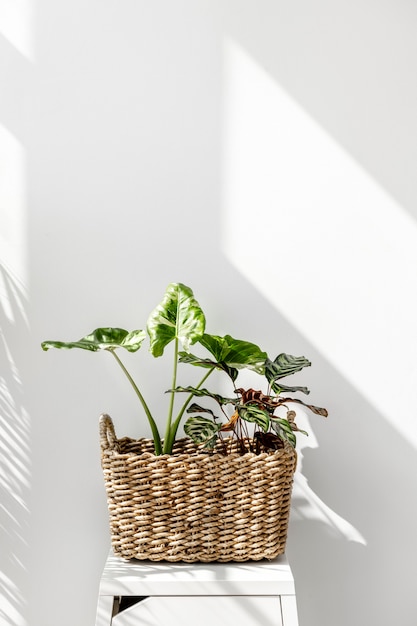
(193, 505)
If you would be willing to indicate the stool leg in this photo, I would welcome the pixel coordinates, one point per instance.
(104, 610)
(289, 611)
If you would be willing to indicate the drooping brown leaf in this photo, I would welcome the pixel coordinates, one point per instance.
(231, 423)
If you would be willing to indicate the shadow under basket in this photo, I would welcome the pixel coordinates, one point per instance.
(195, 505)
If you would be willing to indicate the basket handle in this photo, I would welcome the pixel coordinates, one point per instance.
(108, 439)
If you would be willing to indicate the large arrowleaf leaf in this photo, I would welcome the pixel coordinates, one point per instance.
(178, 316)
(230, 355)
(102, 339)
(201, 430)
(235, 352)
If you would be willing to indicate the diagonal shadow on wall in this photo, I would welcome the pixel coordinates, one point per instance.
(364, 467)
(361, 471)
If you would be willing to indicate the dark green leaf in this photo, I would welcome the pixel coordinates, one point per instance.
(103, 339)
(230, 355)
(254, 414)
(201, 430)
(178, 316)
(235, 353)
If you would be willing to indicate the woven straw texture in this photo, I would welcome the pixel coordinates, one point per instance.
(193, 505)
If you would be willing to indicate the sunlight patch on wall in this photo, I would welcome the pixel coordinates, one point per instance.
(320, 239)
(13, 236)
(16, 25)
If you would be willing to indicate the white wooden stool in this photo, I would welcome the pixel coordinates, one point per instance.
(146, 593)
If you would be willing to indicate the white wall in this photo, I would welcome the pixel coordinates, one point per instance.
(127, 160)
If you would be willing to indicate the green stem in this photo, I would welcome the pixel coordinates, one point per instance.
(171, 403)
(170, 438)
(154, 427)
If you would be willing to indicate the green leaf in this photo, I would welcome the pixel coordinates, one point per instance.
(235, 353)
(102, 339)
(185, 357)
(178, 316)
(201, 430)
(283, 365)
(204, 393)
(196, 408)
(230, 355)
(251, 413)
(279, 388)
(314, 409)
(283, 429)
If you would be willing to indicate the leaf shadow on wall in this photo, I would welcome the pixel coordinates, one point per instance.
(14, 448)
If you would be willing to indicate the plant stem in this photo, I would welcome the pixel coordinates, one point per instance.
(167, 447)
(170, 437)
(154, 427)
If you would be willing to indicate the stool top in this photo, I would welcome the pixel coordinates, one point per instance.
(161, 578)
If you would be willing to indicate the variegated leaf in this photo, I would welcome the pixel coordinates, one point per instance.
(284, 365)
(178, 316)
(254, 414)
(102, 339)
(283, 429)
(204, 393)
(201, 430)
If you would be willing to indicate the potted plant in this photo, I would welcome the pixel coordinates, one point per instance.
(223, 492)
